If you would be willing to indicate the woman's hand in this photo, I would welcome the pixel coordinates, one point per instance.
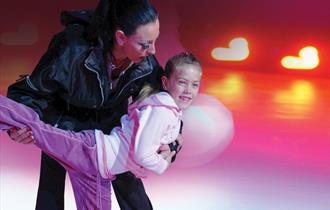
(169, 157)
(180, 141)
(165, 152)
(23, 135)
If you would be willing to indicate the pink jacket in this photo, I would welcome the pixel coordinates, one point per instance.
(133, 146)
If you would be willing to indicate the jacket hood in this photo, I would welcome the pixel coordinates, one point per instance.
(82, 17)
(161, 99)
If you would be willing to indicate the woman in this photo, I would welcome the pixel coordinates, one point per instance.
(83, 82)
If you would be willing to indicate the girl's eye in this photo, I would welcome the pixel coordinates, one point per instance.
(196, 85)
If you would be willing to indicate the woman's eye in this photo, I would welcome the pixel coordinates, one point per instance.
(144, 46)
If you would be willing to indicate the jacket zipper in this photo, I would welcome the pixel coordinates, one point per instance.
(98, 78)
(58, 120)
(28, 81)
(100, 83)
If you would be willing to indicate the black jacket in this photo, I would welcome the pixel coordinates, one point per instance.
(70, 87)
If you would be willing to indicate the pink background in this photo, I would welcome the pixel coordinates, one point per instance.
(278, 158)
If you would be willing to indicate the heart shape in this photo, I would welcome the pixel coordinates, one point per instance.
(26, 34)
(308, 59)
(238, 50)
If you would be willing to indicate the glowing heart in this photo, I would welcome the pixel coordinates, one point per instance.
(26, 34)
(238, 50)
(308, 59)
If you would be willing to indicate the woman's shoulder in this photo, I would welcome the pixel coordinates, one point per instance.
(69, 43)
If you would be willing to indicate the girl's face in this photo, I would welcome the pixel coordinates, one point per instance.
(140, 44)
(183, 84)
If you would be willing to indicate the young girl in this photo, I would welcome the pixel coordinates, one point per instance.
(151, 122)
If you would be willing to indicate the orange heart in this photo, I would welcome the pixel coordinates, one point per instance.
(308, 59)
(238, 50)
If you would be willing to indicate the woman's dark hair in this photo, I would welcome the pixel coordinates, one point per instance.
(126, 15)
(180, 59)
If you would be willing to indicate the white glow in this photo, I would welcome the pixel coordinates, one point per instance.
(307, 59)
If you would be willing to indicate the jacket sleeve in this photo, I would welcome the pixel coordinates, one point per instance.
(38, 89)
(152, 125)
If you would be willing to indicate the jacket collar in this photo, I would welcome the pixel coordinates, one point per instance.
(142, 68)
(95, 59)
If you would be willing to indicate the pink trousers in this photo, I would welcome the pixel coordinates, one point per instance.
(75, 151)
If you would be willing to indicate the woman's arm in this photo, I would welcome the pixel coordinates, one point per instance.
(37, 90)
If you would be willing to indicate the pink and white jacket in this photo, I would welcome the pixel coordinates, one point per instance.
(133, 146)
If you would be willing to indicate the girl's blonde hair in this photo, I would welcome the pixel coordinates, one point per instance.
(146, 91)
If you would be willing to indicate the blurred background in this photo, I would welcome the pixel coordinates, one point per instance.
(263, 116)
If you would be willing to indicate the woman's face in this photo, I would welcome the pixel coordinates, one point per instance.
(183, 84)
(142, 43)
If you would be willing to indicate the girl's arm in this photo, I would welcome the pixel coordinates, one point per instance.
(152, 125)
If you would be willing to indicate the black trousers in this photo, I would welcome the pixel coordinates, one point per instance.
(129, 190)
